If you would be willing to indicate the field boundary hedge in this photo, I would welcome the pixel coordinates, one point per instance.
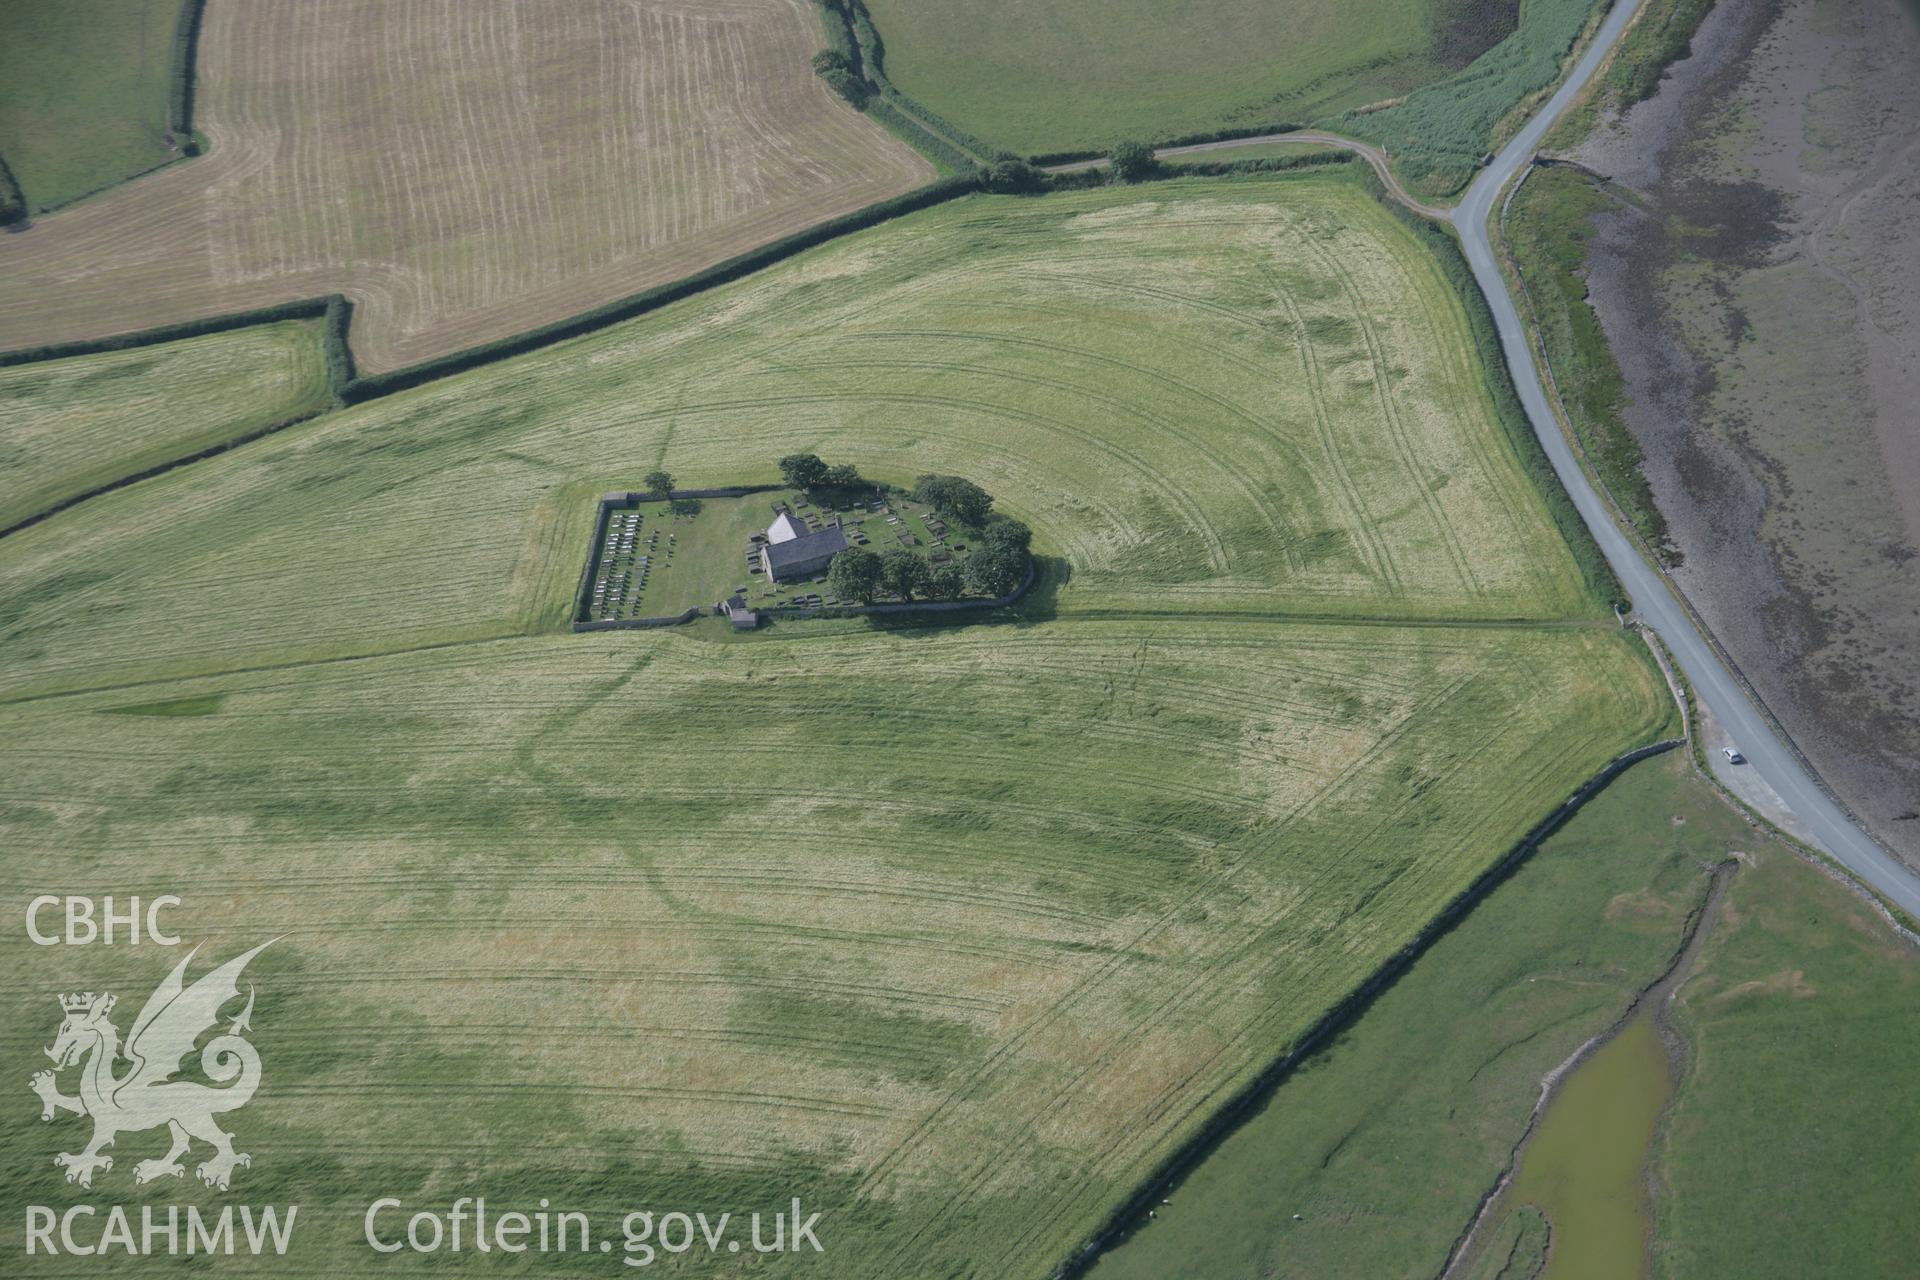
(647, 300)
(1164, 171)
(1232, 134)
(160, 468)
(13, 201)
(185, 77)
(1341, 1015)
(874, 102)
(839, 32)
(333, 310)
(870, 54)
(1258, 165)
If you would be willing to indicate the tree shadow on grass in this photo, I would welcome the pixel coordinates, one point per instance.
(1039, 605)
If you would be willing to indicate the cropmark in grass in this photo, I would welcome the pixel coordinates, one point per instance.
(631, 919)
(1248, 396)
(1384, 1143)
(69, 426)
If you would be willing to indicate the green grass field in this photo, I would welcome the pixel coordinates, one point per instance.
(693, 559)
(1087, 73)
(1386, 1141)
(1548, 224)
(69, 426)
(952, 931)
(1790, 1147)
(1219, 396)
(83, 93)
(1437, 135)
(1252, 151)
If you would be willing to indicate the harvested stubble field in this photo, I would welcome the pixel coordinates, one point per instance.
(1086, 73)
(70, 426)
(829, 915)
(951, 931)
(1248, 396)
(462, 171)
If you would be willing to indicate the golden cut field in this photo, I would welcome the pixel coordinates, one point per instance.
(461, 171)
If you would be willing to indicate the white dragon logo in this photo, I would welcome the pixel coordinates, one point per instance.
(147, 1096)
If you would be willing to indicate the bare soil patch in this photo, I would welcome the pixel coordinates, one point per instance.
(462, 172)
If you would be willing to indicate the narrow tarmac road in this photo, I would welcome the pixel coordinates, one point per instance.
(1820, 820)
(1827, 825)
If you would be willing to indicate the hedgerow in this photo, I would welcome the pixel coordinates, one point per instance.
(368, 387)
(1232, 134)
(13, 204)
(873, 62)
(334, 312)
(850, 64)
(1080, 179)
(1265, 164)
(918, 136)
(303, 309)
(335, 323)
(186, 47)
(838, 29)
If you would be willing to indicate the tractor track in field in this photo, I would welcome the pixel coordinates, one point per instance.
(1657, 600)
